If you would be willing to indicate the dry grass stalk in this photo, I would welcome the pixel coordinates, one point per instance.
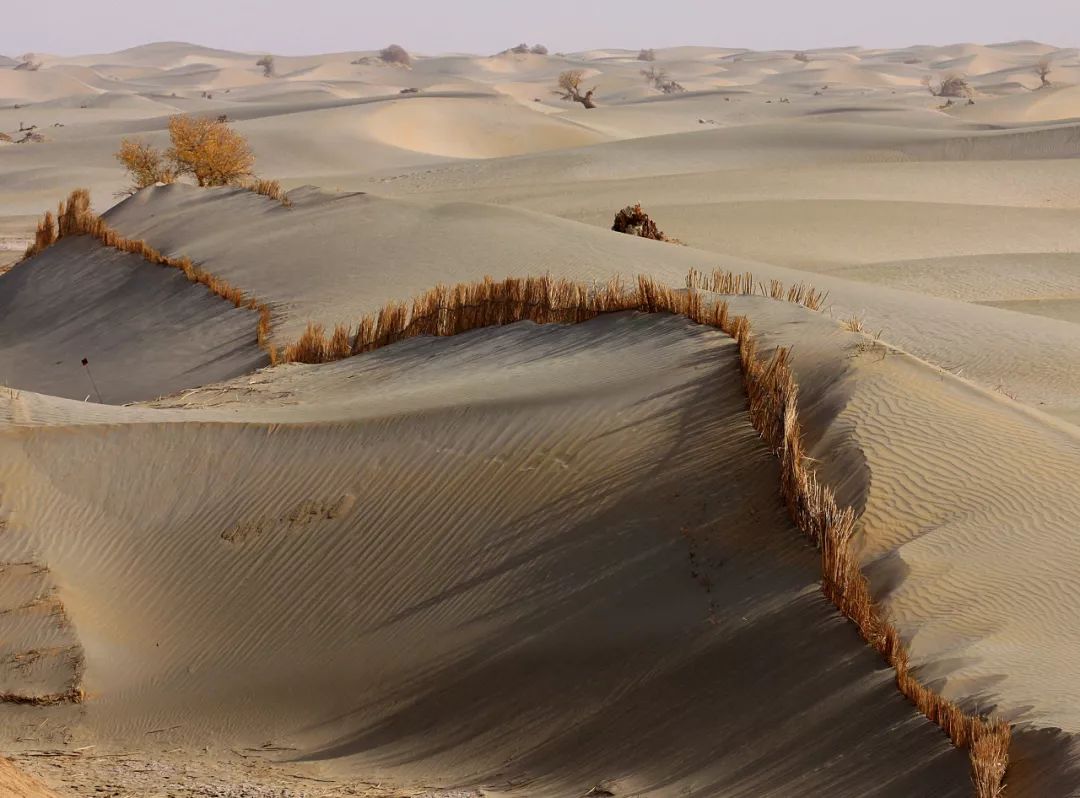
(772, 396)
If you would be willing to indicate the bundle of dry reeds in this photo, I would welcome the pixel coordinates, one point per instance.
(269, 188)
(44, 236)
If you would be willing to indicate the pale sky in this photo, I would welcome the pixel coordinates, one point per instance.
(294, 27)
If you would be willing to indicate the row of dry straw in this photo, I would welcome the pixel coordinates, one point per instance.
(769, 384)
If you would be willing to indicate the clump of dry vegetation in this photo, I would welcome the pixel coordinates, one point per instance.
(524, 49)
(853, 324)
(950, 86)
(633, 221)
(44, 237)
(205, 148)
(209, 150)
(1042, 69)
(395, 54)
(269, 188)
(570, 88)
(660, 80)
(267, 64)
(145, 164)
(27, 63)
(802, 57)
(646, 54)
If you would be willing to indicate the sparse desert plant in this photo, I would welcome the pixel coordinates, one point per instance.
(646, 54)
(538, 49)
(570, 88)
(269, 188)
(801, 56)
(520, 49)
(267, 64)
(395, 54)
(632, 220)
(145, 165)
(1042, 69)
(950, 86)
(660, 80)
(27, 63)
(853, 324)
(209, 150)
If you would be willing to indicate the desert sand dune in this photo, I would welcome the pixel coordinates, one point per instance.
(79, 300)
(539, 560)
(319, 564)
(1032, 356)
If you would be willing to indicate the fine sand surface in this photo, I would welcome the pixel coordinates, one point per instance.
(540, 560)
(609, 555)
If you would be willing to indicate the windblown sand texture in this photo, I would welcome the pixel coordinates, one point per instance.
(344, 513)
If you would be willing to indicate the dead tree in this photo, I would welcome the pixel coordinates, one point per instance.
(570, 88)
(1042, 69)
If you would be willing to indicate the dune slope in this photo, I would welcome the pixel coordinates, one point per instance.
(145, 330)
(610, 553)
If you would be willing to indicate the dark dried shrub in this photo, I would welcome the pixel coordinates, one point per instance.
(633, 221)
(395, 54)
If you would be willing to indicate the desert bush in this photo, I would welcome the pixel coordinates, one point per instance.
(267, 64)
(801, 56)
(570, 88)
(646, 55)
(209, 150)
(1042, 69)
(145, 165)
(660, 80)
(632, 220)
(28, 64)
(395, 54)
(950, 86)
(520, 49)
(538, 49)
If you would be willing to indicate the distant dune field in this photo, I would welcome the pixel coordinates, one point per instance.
(542, 559)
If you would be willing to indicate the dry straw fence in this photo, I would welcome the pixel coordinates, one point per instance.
(773, 408)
